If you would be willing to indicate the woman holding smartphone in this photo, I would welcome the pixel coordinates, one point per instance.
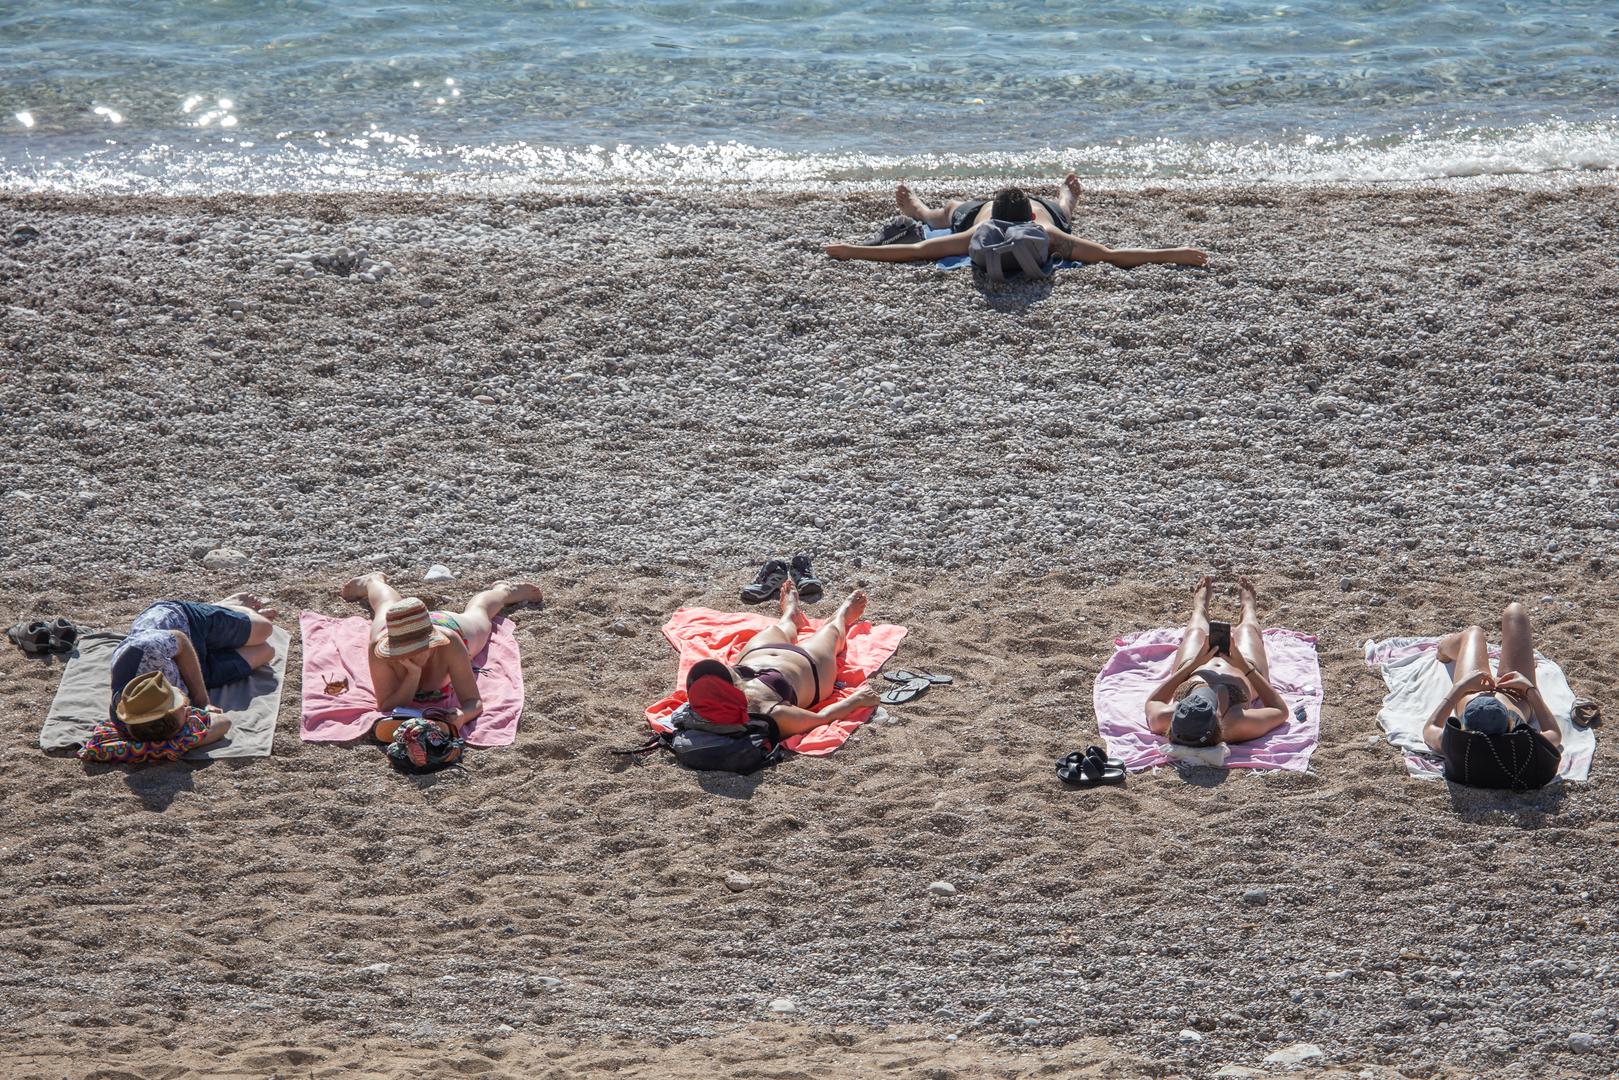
(1220, 689)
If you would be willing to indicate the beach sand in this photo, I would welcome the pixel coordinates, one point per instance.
(1395, 407)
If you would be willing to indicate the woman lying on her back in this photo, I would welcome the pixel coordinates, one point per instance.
(418, 656)
(783, 681)
(1217, 692)
(1503, 704)
(1008, 204)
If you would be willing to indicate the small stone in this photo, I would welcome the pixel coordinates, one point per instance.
(1581, 1042)
(1297, 1054)
(1345, 583)
(1553, 545)
(1030, 1023)
(942, 888)
(737, 881)
(425, 300)
(1238, 1072)
(550, 982)
(988, 1016)
(1188, 1037)
(621, 629)
(224, 558)
(484, 399)
(783, 1005)
(438, 572)
(376, 969)
(24, 234)
(1255, 896)
(505, 1029)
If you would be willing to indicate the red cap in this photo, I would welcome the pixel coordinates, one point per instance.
(713, 696)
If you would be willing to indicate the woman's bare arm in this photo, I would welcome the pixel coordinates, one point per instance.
(791, 720)
(465, 681)
(940, 247)
(185, 657)
(395, 683)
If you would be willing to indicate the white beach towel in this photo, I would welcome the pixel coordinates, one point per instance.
(1418, 682)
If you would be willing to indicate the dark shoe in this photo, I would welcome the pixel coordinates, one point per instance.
(899, 230)
(809, 586)
(1087, 772)
(1097, 754)
(64, 635)
(33, 638)
(767, 584)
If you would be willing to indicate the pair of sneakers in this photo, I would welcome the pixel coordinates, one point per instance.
(767, 584)
(37, 637)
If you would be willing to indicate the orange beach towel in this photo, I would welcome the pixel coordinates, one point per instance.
(706, 634)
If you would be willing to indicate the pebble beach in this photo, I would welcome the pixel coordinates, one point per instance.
(1392, 405)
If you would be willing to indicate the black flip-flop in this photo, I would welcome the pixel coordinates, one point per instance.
(1088, 772)
(903, 676)
(908, 692)
(64, 635)
(1098, 754)
(33, 637)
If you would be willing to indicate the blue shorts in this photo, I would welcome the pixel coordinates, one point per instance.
(216, 633)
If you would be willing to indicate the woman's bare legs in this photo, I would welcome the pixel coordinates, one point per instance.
(1517, 643)
(1247, 636)
(1067, 246)
(911, 206)
(1469, 651)
(784, 631)
(478, 620)
(1195, 638)
(374, 589)
(827, 642)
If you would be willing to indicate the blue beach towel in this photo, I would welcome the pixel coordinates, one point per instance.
(956, 262)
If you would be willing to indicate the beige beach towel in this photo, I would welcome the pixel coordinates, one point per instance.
(85, 695)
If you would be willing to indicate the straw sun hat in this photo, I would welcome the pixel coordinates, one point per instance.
(408, 627)
(148, 697)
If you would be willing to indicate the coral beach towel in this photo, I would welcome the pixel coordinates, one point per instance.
(335, 649)
(1142, 661)
(705, 634)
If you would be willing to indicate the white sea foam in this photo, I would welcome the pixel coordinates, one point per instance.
(381, 160)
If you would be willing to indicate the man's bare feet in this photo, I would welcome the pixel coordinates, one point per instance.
(852, 608)
(909, 204)
(790, 605)
(517, 592)
(357, 588)
(252, 602)
(1068, 193)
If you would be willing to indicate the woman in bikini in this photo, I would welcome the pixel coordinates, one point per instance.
(1498, 704)
(1218, 692)
(784, 681)
(1008, 204)
(418, 656)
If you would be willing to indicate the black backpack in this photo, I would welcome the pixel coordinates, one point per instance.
(707, 747)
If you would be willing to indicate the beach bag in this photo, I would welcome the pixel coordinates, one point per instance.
(1516, 760)
(1001, 247)
(708, 747)
(422, 746)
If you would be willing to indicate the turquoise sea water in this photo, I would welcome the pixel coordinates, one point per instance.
(198, 95)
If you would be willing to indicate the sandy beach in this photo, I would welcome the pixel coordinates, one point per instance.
(1393, 406)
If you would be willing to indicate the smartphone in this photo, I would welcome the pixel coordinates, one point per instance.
(1220, 637)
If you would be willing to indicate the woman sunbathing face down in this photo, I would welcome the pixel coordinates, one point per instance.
(1213, 697)
(783, 681)
(1008, 204)
(418, 656)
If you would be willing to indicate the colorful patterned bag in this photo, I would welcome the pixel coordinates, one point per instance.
(420, 745)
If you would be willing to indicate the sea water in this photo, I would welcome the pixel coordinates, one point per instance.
(221, 95)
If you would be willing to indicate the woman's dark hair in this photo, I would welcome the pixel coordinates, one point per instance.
(1012, 204)
(164, 727)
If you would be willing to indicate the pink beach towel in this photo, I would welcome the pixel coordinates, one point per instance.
(705, 634)
(335, 649)
(1142, 661)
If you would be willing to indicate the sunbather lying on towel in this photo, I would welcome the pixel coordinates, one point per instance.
(418, 656)
(1218, 692)
(1008, 204)
(195, 646)
(783, 681)
(1492, 704)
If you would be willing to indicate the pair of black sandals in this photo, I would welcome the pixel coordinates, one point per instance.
(912, 685)
(39, 638)
(1090, 767)
(766, 585)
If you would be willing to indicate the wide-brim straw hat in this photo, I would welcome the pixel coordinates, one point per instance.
(408, 627)
(148, 697)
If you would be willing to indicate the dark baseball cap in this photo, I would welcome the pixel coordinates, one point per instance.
(1197, 719)
(1486, 713)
